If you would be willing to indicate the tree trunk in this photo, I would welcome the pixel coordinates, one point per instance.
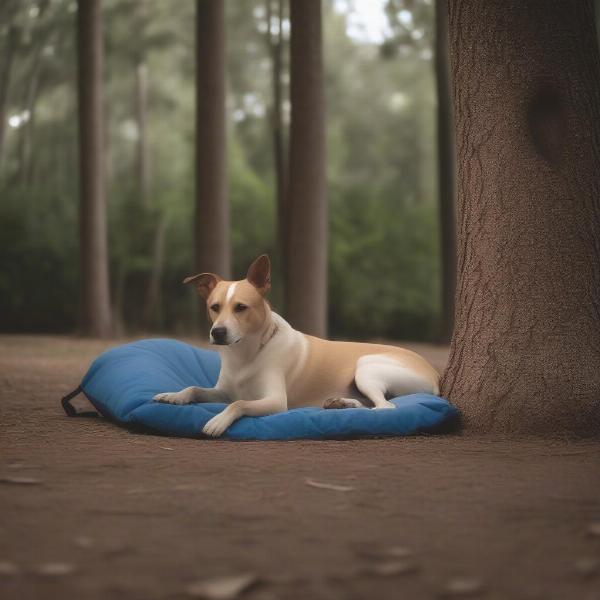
(446, 171)
(95, 296)
(306, 255)
(5, 77)
(525, 355)
(276, 50)
(212, 207)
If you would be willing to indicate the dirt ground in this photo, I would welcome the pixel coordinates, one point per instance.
(112, 514)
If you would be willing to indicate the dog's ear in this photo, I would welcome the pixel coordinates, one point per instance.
(205, 283)
(259, 274)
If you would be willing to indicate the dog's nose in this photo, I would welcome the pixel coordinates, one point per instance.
(219, 335)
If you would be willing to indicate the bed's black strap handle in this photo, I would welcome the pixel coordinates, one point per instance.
(66, 402)
(70, 409)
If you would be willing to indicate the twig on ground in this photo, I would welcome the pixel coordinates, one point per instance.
(328, 486)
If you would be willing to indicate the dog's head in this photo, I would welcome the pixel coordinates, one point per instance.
(235, 308)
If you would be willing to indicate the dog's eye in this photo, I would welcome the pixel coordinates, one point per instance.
(215, 307)
(240, 307)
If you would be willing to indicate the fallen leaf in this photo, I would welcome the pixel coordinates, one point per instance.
(8, 569)
(56, 569)
(587, 567)
(222, 588)
(328, 486)
(594, 529)
(84, 541)
(388, 569)
(463, 586)
(20, 480)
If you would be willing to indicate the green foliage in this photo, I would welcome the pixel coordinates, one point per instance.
(384, 271)
(38, 262)
(383, 281)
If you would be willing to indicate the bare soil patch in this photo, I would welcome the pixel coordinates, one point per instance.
(90, 510)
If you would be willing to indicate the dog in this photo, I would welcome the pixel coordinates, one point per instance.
(269, 367)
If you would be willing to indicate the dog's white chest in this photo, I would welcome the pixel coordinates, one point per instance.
(244, 383)
(270, 370)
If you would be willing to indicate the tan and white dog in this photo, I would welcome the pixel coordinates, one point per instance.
(268, 367)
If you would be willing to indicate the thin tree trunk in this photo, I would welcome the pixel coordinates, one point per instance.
(525, 353)
(152, 294)
(95, 296)
(141, 111)
(446, 171)
(34, 84)
(158, 258)
(211, 225)
(277, 130)
(143, 173)
(306, 255)
(5, 77)
(26, 130)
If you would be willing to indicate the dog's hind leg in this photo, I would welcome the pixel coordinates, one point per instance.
(194, 395)
(379, 375)
(370, 381)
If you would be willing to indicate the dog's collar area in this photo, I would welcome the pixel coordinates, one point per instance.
(264, 342)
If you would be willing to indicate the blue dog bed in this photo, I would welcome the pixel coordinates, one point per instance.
(122, 382)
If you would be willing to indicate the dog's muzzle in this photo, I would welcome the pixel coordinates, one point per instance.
(218, 336)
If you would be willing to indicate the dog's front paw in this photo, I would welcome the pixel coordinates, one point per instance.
(171, 398)
(217, 425)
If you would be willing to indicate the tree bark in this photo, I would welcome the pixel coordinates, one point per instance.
(446, 171)
(525, 355)
(306, 256)
(211, 227)
(95, 296)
